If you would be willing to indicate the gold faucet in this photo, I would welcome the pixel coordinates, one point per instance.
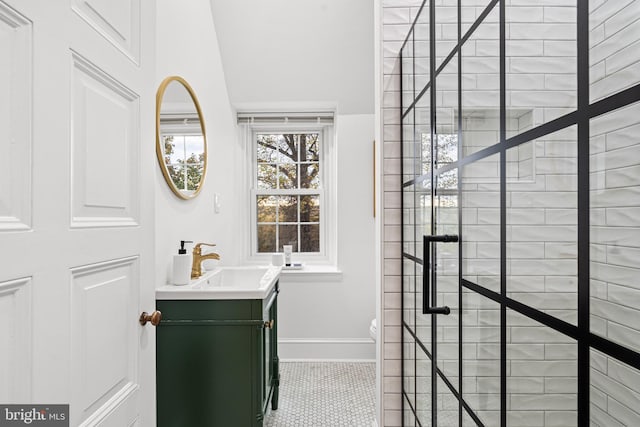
(196, 267)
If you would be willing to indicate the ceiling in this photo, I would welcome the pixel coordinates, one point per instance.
(298, 52)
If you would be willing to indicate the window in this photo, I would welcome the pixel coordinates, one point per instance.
(183, 154)
(288, 191)
(291, 187)
(186, 160)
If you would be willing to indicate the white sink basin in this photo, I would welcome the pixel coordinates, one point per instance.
(246, 282)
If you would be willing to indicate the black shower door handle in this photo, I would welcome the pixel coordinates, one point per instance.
(426, 291)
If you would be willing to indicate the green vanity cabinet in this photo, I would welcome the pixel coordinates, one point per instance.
(217, 362)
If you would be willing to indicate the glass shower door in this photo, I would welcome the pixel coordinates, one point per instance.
(445, 271)
(445, 292)
(521, 242)
(438, 295)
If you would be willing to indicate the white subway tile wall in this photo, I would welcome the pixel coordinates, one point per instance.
(481, 223)
(542, 263)
(397, 16)
(541, 374)
(615, 235)
(615, 392)
(614, 46)
(541, 209)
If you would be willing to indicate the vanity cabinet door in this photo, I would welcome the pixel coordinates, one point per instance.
(209, 363)
(269, 349)
(274, 363)
(216, 362)
(266, 363)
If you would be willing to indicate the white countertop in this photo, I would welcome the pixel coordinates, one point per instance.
(225, 283)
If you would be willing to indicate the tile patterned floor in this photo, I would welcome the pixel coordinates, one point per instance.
(325, 394)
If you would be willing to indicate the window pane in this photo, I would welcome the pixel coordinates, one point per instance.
(447, 149)
(194, 175)
(310, 209)
(194, 150)
(267, 148)
(288, 162)
(288, 176)
(310, 238)
(288, 235)
(173, 148)
(447, 181)
(311, 147)
(309, 175)
(176, 172)
(267, 176)
(266, 238)
(267, 208)
(288, 209)
(288, 148)
(195, 160)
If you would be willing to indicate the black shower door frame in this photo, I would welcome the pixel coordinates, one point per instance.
(412, 262)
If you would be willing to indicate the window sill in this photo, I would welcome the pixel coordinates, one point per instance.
(312, 273)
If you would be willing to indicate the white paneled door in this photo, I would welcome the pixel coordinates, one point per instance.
(76, 207)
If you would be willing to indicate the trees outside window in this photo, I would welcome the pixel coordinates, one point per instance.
(184, 158)
(288, 192)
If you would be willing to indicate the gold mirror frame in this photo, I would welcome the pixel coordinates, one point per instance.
(159, 149)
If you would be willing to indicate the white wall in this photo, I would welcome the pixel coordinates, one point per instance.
(187, 46)
(316, 319)
(315, 54)
(298, 51)
(330, 319)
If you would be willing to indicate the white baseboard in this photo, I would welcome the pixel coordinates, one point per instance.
(337, 349)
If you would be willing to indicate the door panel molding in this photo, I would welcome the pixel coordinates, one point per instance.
(118, 21)
(16, 332)
(71, 288)
(105, 149)
(104, 305)
(16, 88)
(120, 410)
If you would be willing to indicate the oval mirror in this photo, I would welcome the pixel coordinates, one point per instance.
(181, 141)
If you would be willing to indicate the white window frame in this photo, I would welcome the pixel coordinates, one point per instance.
(327, 191)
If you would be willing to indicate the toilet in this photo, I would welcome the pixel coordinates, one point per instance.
(373, 329)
